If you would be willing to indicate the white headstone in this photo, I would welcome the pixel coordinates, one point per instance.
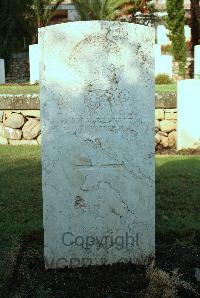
(157, 51)
(163, 32)
(164, 65)
(162, 35)
(72, 13)
(197, 62)
(2, 71)
(34, 63)
(97, 111)
(187, 30)
(188, 122)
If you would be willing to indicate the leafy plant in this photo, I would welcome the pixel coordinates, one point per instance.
(162, 284)
(41, 14)
(13, 27)
(139, 11)
(98, 9)
(19, 23)
(166, 49)
(112, 9)
(163, 79)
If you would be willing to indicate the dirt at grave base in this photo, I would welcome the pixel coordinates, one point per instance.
(173, 151)
(120, 280)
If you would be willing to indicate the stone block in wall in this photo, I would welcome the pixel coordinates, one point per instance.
(15, 120)
(170, 116)
(31, 129)
(170, 110)
(172, 138)
(164, 141)
(1, 116)
(165, 134)
(167, 126)
(39, 138)
(3, 141)
(157, 124)
(16, 111)
(10, 133)
(157, 139)
(6, 114)
(159, 113)
(31, 113)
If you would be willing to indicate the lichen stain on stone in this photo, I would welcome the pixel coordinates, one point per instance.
(79, 202)
(85, 161)
(113, 210)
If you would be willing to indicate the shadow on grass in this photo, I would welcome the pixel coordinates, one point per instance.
(178, 200)
(20, 203)
(22, 264)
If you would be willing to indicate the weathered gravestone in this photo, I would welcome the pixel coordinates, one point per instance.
(188, 122)
(2, 71)
(97, 107)
(34, 63)
(157, 51)
(197, 62)
(164, 65)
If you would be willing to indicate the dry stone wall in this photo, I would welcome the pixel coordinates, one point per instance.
(20, 120)
(165, 127)
(18, 70)
(20, 127)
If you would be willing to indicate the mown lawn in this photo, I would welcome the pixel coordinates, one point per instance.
(177, 202)
(178, 199)
(168, 88)
(19, 89)
(20, 201)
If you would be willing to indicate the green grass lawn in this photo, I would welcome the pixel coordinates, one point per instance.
(18, 89)
(170, 88)
(20, 201)
(177, 201)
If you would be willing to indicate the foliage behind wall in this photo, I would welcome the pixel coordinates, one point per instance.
(175, 24)
(19, 22)
(14, 32)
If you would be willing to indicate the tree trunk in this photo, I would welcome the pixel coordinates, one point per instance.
(195, 22)
(39, 23)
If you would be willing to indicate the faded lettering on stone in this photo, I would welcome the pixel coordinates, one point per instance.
(97, 113)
